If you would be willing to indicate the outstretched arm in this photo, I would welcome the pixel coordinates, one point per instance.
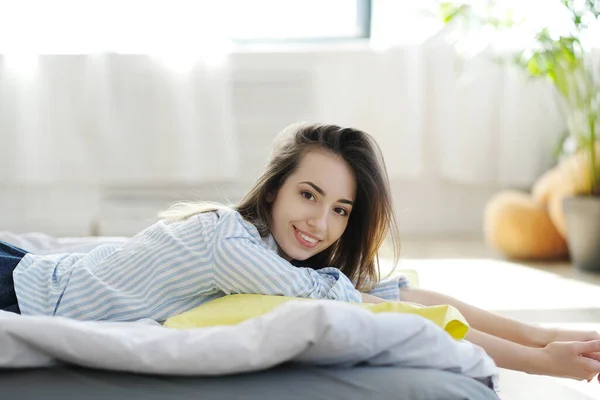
(485, 321)
(497, 325)
(516, 345)
(575, 360)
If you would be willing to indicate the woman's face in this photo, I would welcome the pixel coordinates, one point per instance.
(310, 211)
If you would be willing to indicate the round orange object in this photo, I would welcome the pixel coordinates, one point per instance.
(521, 228)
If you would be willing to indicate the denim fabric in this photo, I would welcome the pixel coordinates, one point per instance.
(10, 256)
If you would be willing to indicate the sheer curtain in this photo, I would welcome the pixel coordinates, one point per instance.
(381, 93)
(114, 93)
(467, 120)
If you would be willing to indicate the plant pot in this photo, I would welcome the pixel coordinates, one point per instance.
(582, 215)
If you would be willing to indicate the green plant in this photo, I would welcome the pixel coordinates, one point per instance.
(559, 53)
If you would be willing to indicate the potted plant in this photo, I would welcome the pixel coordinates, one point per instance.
(561, 53)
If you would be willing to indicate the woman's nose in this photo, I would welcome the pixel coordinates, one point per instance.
(318, 221)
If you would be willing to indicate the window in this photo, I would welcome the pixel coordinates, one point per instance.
(299, 20)
(158, 26)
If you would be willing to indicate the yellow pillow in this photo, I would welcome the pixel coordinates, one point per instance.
(233, 309)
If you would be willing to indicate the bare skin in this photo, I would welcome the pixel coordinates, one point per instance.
(519, 346)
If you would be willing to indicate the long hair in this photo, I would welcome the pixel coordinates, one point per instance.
(372, 218)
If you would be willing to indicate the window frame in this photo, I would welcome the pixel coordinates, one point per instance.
(364, 11)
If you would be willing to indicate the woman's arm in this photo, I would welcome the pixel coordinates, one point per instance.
(244, 266)
(576, 360)
(507, 354)
(485, 321)
(497, 325)
(560, 359)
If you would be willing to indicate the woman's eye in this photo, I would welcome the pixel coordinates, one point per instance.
(341, 211)
(308, 195)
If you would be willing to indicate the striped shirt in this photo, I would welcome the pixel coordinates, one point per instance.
(172, 267)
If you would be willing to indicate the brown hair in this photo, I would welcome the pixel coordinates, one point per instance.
(372, 217)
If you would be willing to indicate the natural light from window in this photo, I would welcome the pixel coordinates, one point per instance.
(158, 26)
(299, 19)
(203, 26)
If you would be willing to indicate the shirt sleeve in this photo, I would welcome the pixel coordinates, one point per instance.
(243, 265)
(390, 289)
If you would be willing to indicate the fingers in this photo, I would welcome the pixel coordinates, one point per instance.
(590, 364)
(591, 368)
(592, 335)
(587, 347)
(593, 356)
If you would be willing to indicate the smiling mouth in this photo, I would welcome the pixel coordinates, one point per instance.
(304, 239)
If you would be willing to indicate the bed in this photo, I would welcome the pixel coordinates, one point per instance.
(287, 381)
(302, 350)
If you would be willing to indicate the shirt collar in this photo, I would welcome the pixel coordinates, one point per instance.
(270, 243)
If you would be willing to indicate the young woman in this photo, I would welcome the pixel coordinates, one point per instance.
(310, 227)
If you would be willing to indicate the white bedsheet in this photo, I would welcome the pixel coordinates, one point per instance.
(318, 332)
(41, 243)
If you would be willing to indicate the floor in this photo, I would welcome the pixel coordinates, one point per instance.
(552, 294)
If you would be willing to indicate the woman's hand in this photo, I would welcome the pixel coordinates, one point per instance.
(575, 360)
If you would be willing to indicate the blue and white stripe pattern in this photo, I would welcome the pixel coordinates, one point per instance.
(391, 288)
(172, 267)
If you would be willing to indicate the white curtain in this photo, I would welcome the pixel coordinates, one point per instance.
(436, 113)
(493, 125)
(114, 93)
(379, 94)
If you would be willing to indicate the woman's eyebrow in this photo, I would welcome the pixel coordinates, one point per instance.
(322, 193)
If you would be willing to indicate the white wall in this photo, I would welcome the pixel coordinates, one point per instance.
(270, 91)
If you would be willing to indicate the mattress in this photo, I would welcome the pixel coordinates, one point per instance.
(290, 382)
